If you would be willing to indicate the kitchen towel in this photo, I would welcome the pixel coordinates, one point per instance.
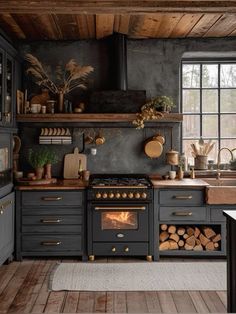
(156, 276)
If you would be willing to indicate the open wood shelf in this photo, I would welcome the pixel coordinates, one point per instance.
(92, 117)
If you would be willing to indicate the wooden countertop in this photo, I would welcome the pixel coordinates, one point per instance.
(68, 184)
(187, 183)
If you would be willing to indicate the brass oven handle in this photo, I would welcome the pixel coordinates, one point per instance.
(51, 221)
(120, 208)
(4, 205)
(51, 243)
(51, 198)
(182, 213)
(183, 197)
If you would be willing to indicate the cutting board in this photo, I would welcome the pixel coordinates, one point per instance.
(72, 164)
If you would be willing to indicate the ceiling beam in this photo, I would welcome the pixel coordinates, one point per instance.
(116, 6)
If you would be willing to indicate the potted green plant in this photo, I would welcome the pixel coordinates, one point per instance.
(37, 159)
(51, 158)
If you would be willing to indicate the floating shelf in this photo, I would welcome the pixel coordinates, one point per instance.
(92, 117)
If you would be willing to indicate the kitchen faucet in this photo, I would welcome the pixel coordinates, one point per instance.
(218, 160)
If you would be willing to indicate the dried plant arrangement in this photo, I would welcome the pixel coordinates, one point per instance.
(73, 76)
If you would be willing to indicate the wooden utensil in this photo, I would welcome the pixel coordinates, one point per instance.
(73, 164)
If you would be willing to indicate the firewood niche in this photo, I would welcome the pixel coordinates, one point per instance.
(189, 238)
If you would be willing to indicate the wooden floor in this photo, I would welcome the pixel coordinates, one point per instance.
(24, 289)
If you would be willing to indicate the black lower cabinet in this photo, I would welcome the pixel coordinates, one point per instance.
(50, 223)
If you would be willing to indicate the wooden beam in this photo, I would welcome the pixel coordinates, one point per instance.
(115, 6)
(203, 25)
(86, 25)
(185, 25)
(121, 23)
(104, 25)
(223, 27)
(8, 23)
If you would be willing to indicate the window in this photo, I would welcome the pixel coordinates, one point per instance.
(209, 105)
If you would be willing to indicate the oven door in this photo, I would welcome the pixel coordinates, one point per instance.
(116, 222)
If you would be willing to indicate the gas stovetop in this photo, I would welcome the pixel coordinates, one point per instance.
(121, 181)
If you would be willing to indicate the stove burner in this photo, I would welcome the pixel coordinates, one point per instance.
(120, 181)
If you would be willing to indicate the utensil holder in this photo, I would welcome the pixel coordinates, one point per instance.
(200, 162)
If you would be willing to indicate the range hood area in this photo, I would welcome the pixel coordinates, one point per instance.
(119, 99)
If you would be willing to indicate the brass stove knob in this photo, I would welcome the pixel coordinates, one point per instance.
(124, 195)
(137, 195)
(118, 195)
(98, 195)
(113, 249)
(104, 195)
(131, 195)
(111, 195)
(126, 249)
(144, 195)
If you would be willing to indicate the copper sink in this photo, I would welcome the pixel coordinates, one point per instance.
(221, 181)
(221, 191)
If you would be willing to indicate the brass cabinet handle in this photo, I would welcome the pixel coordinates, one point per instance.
(183, 197)
(52, 198)
(4, 205)
(1, 212)
(182, 213)
(51, 221)
(120, 208)
(51, 243)
(113, 249)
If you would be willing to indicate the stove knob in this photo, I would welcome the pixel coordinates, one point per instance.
(131, 195)
(126, 250)
(144, 195)
(98, 195)
(113, 249)
(124, 195)
(117, 195)
(111, 195)
(104, 195)
(137, 195)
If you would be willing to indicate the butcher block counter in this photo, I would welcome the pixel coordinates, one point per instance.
(69, 184)
(186, 183)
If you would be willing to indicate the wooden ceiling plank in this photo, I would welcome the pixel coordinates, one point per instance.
(168, 23)
(104, 25)
(86, 25)
(27, 24)
(185, 25)
(68, 25)
(45, 25)
(10, 26)
(116, 6)
(121, 23)
(223, 27)
(203, 25)
(151, 25)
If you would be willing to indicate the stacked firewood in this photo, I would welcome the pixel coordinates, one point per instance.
(201, 238)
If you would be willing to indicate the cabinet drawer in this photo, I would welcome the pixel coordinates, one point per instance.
(52, 198)
(133, 249)
(52, 211)
(51, 243)
(183, 213)
(181, 197)
(217, 214)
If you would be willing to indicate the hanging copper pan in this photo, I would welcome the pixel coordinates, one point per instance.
(153, 147)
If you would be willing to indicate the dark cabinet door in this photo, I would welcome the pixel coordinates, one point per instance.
(9, 95)
(1, 86)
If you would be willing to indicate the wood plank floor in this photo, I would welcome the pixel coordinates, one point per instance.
(24, 289)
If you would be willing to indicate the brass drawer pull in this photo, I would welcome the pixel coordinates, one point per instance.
(4, 205)
(51, 221)
(120, 208)
(51, 198)
(51, 243)
(1, 212)
(182, 213)
(183, 197)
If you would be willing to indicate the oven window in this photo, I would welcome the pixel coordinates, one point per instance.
(119, 220)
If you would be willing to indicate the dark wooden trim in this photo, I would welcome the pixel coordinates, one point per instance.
(93, 117)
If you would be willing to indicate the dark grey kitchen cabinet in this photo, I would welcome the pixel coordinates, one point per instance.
(50, 223)
(6, 227)
(186, 207)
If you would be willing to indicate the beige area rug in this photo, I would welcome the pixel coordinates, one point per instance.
(139, 276)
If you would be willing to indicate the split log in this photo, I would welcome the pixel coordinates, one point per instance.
(197, 241)
(191, 241)
(164, 246)
(181, 243)
(174, 236)
(216, 245)
(216, 238)
(208, 232)
(164, 227)
(181, 231)
(173, 245)
(185, 236)
(203, 239)
(198, 247)
(197, 232)
(188, 247)
(210, 246)
(172, 229)
(164, 236)
(190, 231)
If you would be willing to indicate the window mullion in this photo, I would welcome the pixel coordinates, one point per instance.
(201, 100)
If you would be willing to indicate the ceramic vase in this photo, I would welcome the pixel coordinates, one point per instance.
(39, 173)
(48, 171)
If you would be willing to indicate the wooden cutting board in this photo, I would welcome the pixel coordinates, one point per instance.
(72, 164)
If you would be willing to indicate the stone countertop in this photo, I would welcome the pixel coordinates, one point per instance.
(186, 183)
(230, 213)
(68, 184)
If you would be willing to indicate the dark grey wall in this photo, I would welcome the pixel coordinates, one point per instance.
(153, 65)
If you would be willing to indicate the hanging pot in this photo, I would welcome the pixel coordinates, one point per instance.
(153, 148)
(172, 157)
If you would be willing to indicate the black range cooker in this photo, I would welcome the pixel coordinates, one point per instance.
(120, 216)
